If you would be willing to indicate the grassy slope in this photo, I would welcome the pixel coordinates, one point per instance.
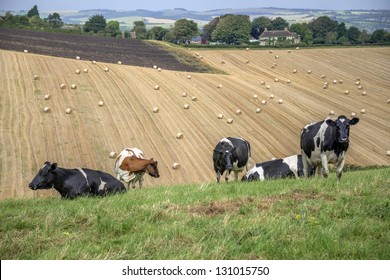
(281, 219)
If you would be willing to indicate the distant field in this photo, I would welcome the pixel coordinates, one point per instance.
(29, 136)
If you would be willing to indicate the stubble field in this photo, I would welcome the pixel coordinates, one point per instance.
(84, 138)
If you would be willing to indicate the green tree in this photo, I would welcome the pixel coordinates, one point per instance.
(331, 37)
(258, 26)
(353, 34)
(233, 29)
(278, 24)
(341, 30)
(303, 30)
(140, 29)
(209, 28)
(157, 33)
(36, 22)
(320, 26)
(379, 36)
(54, 20)
(184, 30)
(95, 24)
(33, 12)
(112, 28)
(364, 37)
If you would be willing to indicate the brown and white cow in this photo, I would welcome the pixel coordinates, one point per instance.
(131, 165)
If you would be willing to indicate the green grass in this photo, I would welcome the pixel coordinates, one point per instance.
(280, 219)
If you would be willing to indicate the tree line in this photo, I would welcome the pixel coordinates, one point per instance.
(229, 29)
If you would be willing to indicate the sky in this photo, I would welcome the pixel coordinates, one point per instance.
(193, 5)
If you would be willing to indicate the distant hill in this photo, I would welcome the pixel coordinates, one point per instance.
(369, 20)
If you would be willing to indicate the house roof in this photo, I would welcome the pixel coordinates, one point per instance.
(277, 33)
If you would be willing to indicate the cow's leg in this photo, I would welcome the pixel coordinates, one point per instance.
(305, 165)
(339, 168)
(218, 174)
(324, 164)
(141, 182)
(227, 175)
(235, 176)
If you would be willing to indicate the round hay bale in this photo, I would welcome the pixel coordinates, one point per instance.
(176, 165)
(325, 86)
(179, 135)
(295, 71)
(68, 111)
(159, 69)
(36, 77)
(194, 98)
(47, 96)
(388, 101)
(280, 101)
(184, 94)
(93, 61)
(155, 67)
(62, 86)
(119, 62)
(276, 56)
(271, 96)
(247, 49)
(156, 87)
(331, 112)
(73, 86)
(262, 83)
(258, 110)
(46, 109)
(113, 155)
(186, 106)
(77, 71)
(255, 96)
(388, 152)
(360, 87)
(268, 87)
(77, 57)
(263, 102)
(155, 110)
(101, 103)
(229, 121)
(346, 92)
(358, 79)
(246, 61)
(223, 61)
(270, 51)
(353, 114)
(340, 81)
(189, 77)
(289, 81)
(238, 112)
(334, 81)
(106, 69)
(219, 86)
(297, 48)
(363, 111)
(309, 71)
(220, 116)
(85, 70)
(364, 93)
(323, 76)
(276, 80)
(25, 51)
(357, 83)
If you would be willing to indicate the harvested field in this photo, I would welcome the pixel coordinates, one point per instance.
(85, 137)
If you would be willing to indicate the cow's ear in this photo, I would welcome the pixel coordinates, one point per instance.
(354, 121)
(330, 122)
(53, 166)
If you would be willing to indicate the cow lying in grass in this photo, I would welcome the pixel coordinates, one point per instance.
(71, 183)
(291, 166)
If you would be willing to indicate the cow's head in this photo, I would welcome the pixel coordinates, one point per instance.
(225, 157)
(152, 169)
(45, 177)
(342, 124)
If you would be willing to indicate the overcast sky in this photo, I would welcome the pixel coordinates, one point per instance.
(194, 5)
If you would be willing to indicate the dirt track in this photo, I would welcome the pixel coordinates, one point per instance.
(29, 136)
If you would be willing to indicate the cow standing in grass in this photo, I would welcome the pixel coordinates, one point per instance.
(326, 142)
(231, 154)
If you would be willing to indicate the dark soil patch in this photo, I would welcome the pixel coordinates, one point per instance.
(102, 49)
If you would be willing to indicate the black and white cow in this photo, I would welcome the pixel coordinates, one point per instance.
(277, 168)
(71, 183)
(326, 142)
(231, 154)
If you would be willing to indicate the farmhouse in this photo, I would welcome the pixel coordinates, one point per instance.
(277, 37)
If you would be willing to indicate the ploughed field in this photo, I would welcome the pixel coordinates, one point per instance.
(129, 117)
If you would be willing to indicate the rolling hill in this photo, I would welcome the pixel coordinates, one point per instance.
(29, 136)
